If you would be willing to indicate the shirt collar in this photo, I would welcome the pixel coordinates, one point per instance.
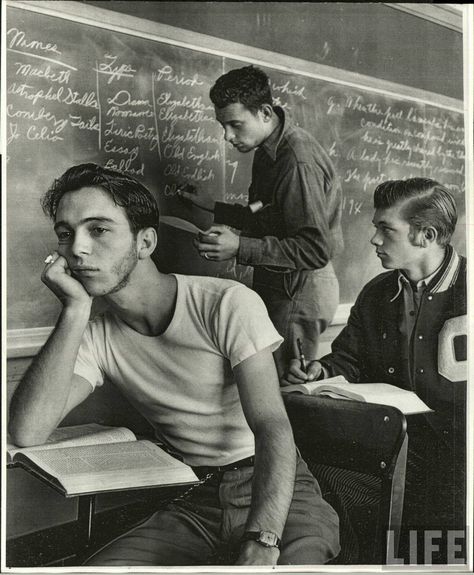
(440, 280)
(270, 145)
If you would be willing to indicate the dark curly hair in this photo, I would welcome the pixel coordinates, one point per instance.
(249, 86)
(425, 203)
(127, 192)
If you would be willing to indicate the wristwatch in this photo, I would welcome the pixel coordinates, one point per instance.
(265, 538)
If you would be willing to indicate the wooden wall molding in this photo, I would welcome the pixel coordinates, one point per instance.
(450, 16)
(27, 342)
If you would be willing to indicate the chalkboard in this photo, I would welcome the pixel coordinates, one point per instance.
(371, 137)
(79, 93)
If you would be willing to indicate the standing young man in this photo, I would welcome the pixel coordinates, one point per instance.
(194, 356)
(408, 327)
(291, 228)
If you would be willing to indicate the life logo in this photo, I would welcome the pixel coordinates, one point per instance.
(452, 349)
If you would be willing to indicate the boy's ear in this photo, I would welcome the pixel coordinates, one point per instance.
(430, 234)
(267, 112)
(147, 240)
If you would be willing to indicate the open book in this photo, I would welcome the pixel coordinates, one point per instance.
(382, 393)
(93, 458)
(180, 224)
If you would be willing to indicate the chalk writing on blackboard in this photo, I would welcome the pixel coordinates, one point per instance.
(79, 93)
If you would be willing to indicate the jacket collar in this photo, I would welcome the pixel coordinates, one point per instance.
(273, 141)
(442, 280)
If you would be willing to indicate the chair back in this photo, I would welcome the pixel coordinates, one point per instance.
(357, 451)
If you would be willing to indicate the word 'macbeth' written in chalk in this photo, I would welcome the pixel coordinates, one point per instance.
(55, 76)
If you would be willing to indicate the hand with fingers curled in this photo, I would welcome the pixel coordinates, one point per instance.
(199, 197)
(296, 375)
(218, 243)
(58, 278)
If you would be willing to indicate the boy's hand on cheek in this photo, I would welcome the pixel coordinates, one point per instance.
(57, 277)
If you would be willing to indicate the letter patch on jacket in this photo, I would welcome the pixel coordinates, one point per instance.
(452, 349)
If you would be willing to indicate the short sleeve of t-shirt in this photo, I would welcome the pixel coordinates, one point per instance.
(87, 364)
(242, 325)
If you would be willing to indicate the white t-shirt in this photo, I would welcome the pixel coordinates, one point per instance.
(182, 380)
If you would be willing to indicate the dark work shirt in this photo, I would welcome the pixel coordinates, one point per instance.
(299, 226)
(412, 295)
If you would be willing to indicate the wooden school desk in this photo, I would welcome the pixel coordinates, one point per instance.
(72, 542)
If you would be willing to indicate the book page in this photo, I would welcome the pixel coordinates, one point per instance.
(86, 434)
(180, 224)
(312, 387)
(335, 395)
(382, 393)
(111, 466)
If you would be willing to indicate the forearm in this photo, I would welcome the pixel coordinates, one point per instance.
(274, 478)
(307, 249)
(39, 402)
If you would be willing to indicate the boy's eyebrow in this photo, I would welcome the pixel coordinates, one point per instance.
(62, 223)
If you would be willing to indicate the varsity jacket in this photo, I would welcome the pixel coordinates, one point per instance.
(369, 348)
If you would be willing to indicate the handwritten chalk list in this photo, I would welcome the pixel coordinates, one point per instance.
(80, 93)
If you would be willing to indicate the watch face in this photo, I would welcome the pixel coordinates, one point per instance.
(268, 539)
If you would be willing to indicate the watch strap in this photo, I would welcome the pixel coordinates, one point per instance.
(265, 538)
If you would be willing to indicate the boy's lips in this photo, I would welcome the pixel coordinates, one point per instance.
(85, 271)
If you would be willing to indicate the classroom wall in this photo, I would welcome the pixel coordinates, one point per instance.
(420, 134)
(343, 35)
(371, 38)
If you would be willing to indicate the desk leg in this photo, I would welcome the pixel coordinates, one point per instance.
(85, 517)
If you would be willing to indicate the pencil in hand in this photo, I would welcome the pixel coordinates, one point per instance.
(303, 365)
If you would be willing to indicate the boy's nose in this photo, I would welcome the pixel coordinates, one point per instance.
(376, 239)
(81, 244)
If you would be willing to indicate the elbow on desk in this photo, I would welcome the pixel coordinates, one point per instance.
(26, 435)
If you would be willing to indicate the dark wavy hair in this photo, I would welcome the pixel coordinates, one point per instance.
(249, 86)
(425, 203)
(127, 192)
